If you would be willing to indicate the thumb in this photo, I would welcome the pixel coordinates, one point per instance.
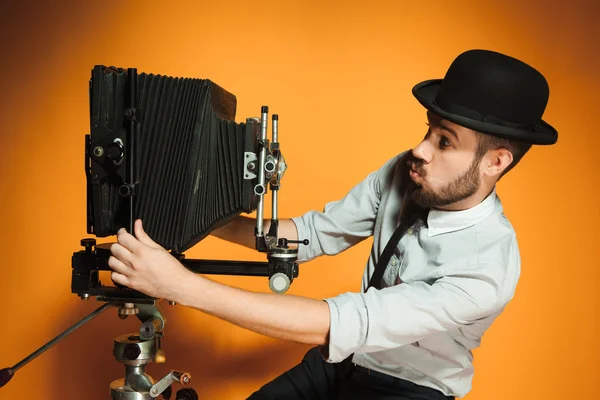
(142, 236)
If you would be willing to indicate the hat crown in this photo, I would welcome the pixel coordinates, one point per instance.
(494, 85)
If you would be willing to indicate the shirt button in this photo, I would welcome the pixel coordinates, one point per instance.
(409, 231)
(394, 262)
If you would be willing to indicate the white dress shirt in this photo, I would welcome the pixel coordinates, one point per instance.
(444, 285)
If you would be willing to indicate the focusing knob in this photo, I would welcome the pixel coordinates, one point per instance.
(279, 283)
(115, 151)
(131, 351)
(88, 244)
(128, 309)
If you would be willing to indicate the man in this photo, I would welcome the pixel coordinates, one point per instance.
(444, 262)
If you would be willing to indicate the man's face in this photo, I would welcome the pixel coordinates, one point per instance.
(444, 166)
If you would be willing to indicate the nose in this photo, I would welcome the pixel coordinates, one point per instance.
(423, 152)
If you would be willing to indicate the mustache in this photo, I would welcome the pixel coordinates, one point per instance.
(415, 164)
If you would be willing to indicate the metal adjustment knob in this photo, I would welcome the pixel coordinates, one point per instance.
(279, 283)
(88, 244)
(270, 164)
(115, 151)
(131, 351)
(128, 309)
(126, 190)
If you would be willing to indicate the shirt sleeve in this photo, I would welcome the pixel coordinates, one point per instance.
(403, 314)
(346, 222)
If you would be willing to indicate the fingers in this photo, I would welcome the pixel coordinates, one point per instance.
(122, 254)
(119, 266)
(128, 241)
(119, 278)
(143, 236)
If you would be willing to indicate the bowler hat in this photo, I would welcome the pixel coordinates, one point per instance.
(491, 93)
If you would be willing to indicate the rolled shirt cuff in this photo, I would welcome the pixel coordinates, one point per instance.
(304, 251)
(348, 326)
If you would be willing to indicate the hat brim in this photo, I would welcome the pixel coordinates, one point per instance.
(425, 92)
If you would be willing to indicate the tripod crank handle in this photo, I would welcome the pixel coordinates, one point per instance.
(164, 384)
(304, 242)
(283, 242)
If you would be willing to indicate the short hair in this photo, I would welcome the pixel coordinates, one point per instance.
(488, 142)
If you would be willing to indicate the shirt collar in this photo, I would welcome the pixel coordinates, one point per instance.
(440, 222)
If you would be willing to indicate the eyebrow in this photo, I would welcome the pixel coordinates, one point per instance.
(435, 120)
(447, 128)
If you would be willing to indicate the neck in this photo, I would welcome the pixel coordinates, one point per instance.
(469, 202)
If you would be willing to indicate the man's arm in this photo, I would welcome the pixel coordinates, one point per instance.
(341, 225)
(284, 317)
(142, 264)
(240, 230)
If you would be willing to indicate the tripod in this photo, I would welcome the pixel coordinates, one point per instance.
(135, 351)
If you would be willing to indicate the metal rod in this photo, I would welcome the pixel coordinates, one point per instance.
(131, 143)
(275, 128)
(218, 267)
(275, 133)
(261, 171)
(60, 337)
(274, 210)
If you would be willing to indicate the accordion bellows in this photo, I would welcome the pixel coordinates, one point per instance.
(188, 157)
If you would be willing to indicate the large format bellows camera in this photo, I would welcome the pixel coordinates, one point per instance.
(168, 150)
(185, 156)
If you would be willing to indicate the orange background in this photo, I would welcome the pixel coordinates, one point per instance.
(339, 74)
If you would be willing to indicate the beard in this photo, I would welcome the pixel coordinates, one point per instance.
(459, 189)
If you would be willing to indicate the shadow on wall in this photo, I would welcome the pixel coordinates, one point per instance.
(85, 366)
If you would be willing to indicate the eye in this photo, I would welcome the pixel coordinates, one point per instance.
(444, 142)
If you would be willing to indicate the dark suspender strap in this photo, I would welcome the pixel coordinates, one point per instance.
(345, 366)
(384, 259)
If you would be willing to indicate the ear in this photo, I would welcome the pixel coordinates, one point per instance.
(497, 161)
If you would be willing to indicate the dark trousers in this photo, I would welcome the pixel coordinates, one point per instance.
(316, 379)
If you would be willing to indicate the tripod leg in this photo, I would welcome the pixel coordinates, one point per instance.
(6, 374)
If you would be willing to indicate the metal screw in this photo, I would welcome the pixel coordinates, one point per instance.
(251, 166)
(98, 151)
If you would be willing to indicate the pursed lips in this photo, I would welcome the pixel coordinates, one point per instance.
(414, 171)
(414, 174)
